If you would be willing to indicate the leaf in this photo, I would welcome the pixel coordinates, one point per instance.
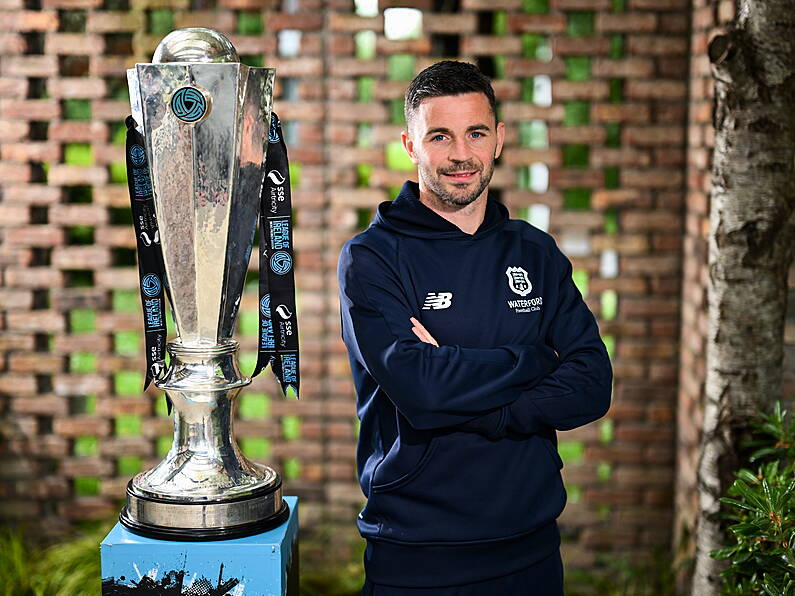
(746, 475)
(763, 452)
(737, 503)
(750, 495)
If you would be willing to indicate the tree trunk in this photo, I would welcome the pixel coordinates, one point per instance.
(750, 249)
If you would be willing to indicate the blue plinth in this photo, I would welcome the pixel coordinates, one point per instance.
(261, 565)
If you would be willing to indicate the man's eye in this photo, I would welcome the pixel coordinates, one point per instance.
(477, 134)
(437, 138)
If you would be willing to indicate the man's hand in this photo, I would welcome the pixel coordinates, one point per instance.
(422, 333)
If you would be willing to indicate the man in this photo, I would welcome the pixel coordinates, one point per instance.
(469, 346)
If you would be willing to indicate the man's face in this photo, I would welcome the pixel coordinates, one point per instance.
(454, 140)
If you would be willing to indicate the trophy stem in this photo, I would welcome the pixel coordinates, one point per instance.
(204, 488)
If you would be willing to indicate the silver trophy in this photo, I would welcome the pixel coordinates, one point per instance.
(205, 119)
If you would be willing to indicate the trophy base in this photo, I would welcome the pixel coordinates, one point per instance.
(194, 521)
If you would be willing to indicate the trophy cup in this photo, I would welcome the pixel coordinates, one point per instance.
(205, 120)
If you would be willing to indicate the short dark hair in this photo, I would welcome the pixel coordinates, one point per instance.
(448, 77)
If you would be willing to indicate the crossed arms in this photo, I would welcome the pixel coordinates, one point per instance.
(563, 383)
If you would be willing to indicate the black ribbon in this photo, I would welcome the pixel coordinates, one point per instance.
(278, 323)
(150, 256)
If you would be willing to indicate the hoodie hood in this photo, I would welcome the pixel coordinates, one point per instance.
(408, 215)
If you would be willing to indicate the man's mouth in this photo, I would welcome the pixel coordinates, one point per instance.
(461, 176)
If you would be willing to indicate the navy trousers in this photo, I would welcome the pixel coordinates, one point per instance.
(544, 578)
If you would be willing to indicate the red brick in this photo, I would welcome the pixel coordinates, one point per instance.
(726, 11)
(77, 44)
(490, 5)
(639, 220)
(659, 4)
(29, 66)
(592, 46)
(35, 277)
(12, 215)
(626, 68)
(73, 131)
(572, 178)
(623, 244)
(11, 130)
(28, 20)
(113, 22)
(655, 89)
(672, 67)
(213, 19)
(80, 87)
(76, 215)
(31, 194)
(643, 265)
(645, 349)
(418, 47)
(353, 23)
(12, 43)
(521, 67)
(537, 23)
(15, 300)
(656, 45)
(45, 405)
(517, 156)
(80, 385)
(626, 22)
(581, 4)
(75, 175)
(30, 109)
(629, 156)
(108, 66)
(18, 384)
(110, 110)
(519, 111)
(674, 22)
(16, 88)
(652, 135)
(454, 24)
(44, 321)
(565, 90)
(652, 178)
(85, 466)
(353, 112)
(14, 172)
(668, 111)
(483, 45)
(80, 257)
(30, 151)
(37, 235)
(577, 134)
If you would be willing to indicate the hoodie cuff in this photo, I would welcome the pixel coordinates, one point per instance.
(492, 425)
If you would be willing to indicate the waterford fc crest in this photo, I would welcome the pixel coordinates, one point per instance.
(518, 281)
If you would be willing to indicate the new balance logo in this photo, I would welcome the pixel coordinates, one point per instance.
(438, 300)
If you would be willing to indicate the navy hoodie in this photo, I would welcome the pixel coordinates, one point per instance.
(457, 451)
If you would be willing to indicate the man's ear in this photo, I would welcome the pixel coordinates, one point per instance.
(408, 145)
(500, 139)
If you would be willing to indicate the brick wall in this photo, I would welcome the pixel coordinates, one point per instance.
(594, 96)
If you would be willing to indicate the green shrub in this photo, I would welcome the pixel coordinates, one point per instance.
(762, 508)
(618, 575)
(64, 569)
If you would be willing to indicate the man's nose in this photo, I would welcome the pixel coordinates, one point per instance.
(459, 150)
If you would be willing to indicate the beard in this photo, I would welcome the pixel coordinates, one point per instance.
(460, 195)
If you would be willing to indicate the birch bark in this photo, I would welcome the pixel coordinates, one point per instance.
(750, 249)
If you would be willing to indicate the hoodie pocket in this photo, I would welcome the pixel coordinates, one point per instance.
(385, 479)
(465, 487)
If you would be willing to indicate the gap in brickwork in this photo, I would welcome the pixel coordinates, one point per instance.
(34, 42)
